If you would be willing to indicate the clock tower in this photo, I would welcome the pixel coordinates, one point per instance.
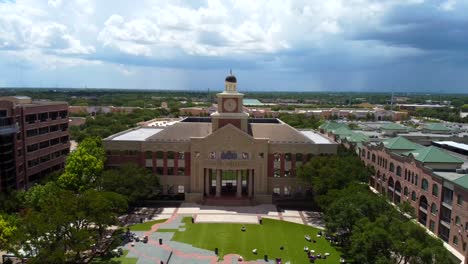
(230, 107)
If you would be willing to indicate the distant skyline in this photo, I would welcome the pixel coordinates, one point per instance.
(311, 45)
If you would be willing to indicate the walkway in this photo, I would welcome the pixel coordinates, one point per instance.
(153, 252)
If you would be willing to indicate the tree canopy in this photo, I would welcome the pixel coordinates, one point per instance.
(132, 181)
(84, 165)
(368, 227)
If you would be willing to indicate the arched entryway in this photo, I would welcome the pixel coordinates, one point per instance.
(422, 212)
(390, 188)
(397, 196)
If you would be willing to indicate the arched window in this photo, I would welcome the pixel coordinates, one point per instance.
(368, 154)
(455, 240)
(425, 185)
(398, 171)
(148, 155)
(413, 195)
(405, 191)
(392, 167)
(433, 209)
(457, 220)
(435, 190)
(299, 157)
(373, 157)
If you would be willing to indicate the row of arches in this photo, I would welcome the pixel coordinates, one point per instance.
(394, 193)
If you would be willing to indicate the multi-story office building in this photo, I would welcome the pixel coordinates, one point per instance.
(226, 155)
(34, 140)
(434, 181)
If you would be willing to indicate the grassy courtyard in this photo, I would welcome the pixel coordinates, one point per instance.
(146, 226)
(115, 260)
(266, 238)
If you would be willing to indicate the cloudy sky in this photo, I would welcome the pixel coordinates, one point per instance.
(310, 45)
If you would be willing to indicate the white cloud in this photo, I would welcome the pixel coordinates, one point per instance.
(54, 3)
(448, 5)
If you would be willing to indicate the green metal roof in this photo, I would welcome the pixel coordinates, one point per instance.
(393, 126)
(342, 131)
(332, 125)
(250, 102)
(433, 155)
(357, 137)
(462, 181)
(400, 143)
(436, 127)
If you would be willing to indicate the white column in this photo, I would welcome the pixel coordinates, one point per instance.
(218, 183)
(250, 175)
(207, 182)
(239, 184)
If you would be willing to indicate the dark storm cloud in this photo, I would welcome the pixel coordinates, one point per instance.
(425, 27)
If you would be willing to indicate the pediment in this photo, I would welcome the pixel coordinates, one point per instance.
(229, 133)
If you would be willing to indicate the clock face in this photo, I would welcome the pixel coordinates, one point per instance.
(230, 105)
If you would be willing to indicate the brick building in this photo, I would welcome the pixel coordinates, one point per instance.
(227, 156)
(434, 181)
(34, 140)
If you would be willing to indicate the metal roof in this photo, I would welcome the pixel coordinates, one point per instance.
(139, 134)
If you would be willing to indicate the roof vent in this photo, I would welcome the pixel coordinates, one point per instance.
(461, 171)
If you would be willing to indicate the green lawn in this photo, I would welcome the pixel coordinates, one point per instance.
(145, 226)
(267, 238)
(116, 260)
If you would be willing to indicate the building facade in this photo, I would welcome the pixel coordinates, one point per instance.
(432, 180)
(34, 140)
(226, 155)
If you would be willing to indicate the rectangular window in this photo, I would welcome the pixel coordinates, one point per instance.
(181, 155)
(43, 130)
(53, 115)
(276, 191)
(54, 128)
(181, 189)
(54, 141)
(43, 117)
(459, 199)
(31, 132)
(64, 127)
(30, 119)
(181, 171)
(63, 114)
(159, 170)
(170, 171)
(431, 225)
(277, 173)
(44, 144)
(32, 147)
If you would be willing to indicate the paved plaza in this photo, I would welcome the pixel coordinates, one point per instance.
(176, 252)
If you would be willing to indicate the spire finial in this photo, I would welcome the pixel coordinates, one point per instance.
(230, 71)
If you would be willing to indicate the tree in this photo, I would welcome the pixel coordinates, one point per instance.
(324, 173)
(60, 224)
(131, 181)
(7, 230)
(371, 242)
(84, 165)
(345, 207)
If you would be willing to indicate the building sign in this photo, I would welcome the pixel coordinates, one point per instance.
(228, 155)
